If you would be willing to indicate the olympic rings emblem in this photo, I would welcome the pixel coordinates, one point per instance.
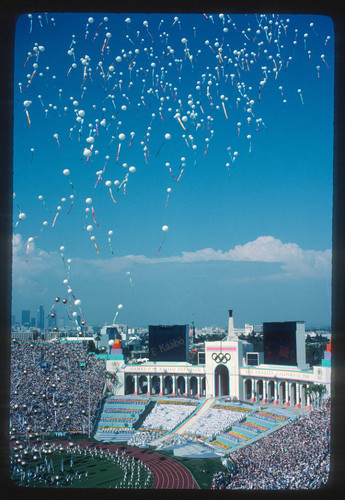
(220, 357)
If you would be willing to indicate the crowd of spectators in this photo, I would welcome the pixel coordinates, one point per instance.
(215, 421)
(52, 384)
(297, 456)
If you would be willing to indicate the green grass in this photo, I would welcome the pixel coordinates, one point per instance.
(201, 468)
(102, 473)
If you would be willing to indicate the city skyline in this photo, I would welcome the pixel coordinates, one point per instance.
(250, 231)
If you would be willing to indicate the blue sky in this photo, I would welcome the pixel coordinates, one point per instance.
(250, 232)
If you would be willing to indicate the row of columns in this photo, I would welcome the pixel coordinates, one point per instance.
(162, 377)
(288, 387)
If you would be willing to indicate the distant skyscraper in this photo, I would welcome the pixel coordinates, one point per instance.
(52, 322)
(25, 318)
(61, 323)
(40, 318)
(13, 319)
(33, 322)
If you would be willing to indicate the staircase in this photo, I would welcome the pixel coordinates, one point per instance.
(191, 421)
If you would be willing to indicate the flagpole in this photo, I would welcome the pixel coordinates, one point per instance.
(89, 405)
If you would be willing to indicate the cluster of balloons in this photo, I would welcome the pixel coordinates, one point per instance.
(155, 93)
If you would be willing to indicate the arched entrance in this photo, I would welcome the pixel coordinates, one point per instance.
(168, 385)
(193, 386)
(247, 389)
(270, 391)
(180, 385)
(129, 384)
(281, 392)
(155, 385)
(303, 390)
(203, 386)
(293, 394)
(221, 381)
(142, 384)
(259, 390)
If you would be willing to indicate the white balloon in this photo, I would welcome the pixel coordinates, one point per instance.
(22, 216)
(88, 201)
(132, 169)
(167, 137)
(89, 228)
(110, 232)
(120, 306)
(81, 113)
(165, 229)
(111, 342)
(77, 302)
(122, 137)
(66, 172)
(87, 152)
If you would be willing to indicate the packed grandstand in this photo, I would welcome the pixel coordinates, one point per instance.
(59, 388)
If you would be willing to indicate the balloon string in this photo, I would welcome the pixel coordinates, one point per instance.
(159, 149)
(160, 247)
(28, 117)
(166, 204)
(57, 213)
(27, 253)
(179, 177)
(93, 215)
(110, 246)
(72, 186)
(96, 247)
(70, 208)
(111, 194)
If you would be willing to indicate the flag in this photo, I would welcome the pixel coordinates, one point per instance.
(61, 463)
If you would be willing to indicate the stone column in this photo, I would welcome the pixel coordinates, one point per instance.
(161, 388)
(287, 393)
(264, 391)
(298, 399)
(186, 385)
(148, 384)
(174, 385)
(308, 407)
(135, 384)
(275, 402)
(199, 386)
(253, 390)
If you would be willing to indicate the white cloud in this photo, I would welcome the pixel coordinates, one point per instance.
(295, 262)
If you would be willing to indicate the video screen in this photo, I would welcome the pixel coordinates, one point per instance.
(280, 343)
(168, 343)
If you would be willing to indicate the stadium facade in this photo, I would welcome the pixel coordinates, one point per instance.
(230, 368)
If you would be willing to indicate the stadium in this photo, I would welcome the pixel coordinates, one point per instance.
(223, 405)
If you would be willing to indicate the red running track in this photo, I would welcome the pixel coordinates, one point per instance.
(167, 473)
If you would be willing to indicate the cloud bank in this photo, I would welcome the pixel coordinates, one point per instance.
(294, 261)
